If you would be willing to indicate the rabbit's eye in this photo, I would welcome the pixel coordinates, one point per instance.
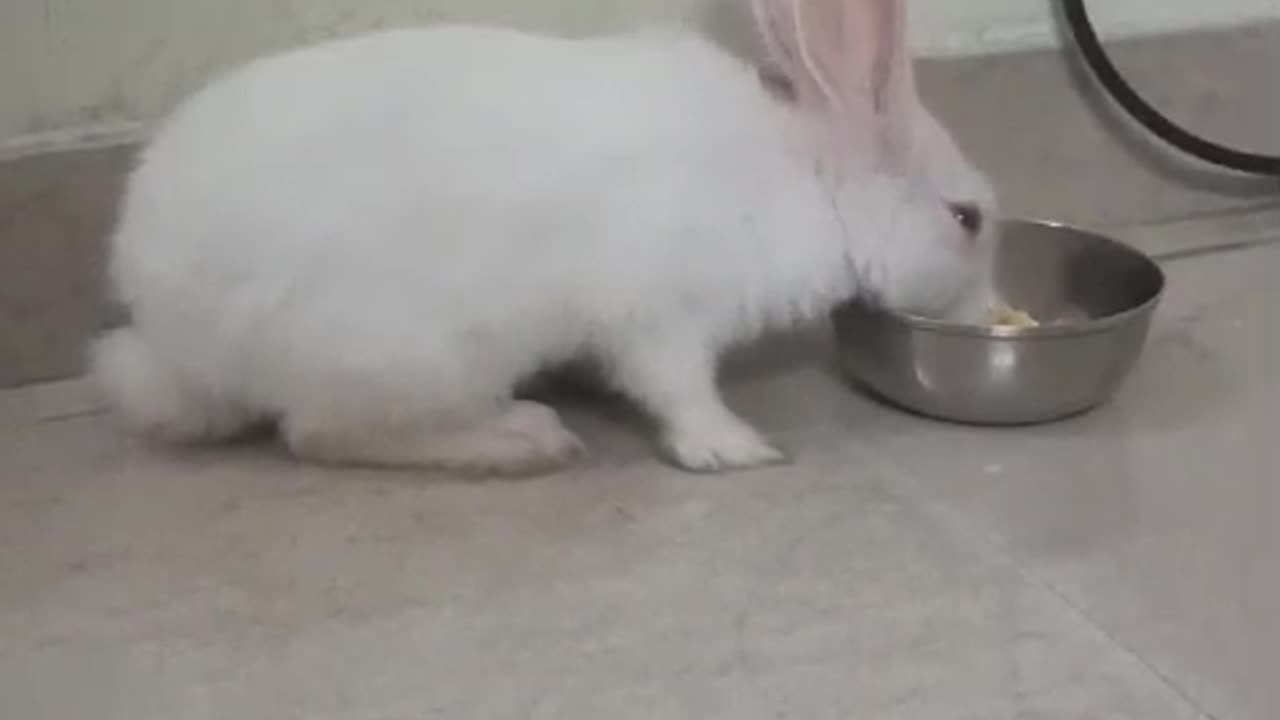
(969, 216)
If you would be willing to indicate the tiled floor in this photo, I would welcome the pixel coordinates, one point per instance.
(1122, 565)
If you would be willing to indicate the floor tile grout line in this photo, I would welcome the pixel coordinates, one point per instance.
(58, 418)
(1254, 209)
(1237, 221)
(1249, 222)
(1209, 251)
(66, 402)
(899, 478)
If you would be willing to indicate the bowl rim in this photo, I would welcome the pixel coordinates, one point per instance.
(1092, 326)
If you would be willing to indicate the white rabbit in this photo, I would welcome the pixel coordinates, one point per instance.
(371, 241)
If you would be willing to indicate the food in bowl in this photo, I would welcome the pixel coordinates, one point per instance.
(1004, 316)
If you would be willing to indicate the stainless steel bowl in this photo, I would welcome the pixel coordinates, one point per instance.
(1095, 299)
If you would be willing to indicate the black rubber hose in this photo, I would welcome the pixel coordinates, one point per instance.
(1095, 55)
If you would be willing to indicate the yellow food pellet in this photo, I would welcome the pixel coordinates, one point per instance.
(1007, 317)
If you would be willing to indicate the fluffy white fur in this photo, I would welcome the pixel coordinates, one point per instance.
(372, 240)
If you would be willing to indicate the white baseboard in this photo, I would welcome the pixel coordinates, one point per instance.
(87, 137)
(946, 28)
(941, 29)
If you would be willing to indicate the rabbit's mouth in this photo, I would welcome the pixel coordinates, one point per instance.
(936, 287)
(116, 315)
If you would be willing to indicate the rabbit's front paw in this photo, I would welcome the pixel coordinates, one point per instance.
(721, 447)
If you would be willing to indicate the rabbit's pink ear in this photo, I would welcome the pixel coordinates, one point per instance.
(845, 56)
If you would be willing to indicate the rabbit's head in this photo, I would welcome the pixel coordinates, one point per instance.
(918, 219)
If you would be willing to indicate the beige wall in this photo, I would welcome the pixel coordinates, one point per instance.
(77, 69)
